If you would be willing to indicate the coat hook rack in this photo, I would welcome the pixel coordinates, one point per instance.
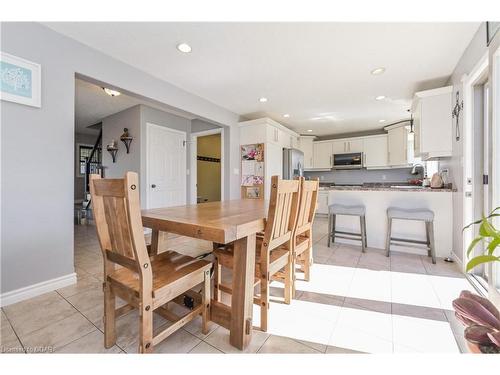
(126, 139)
(459, 106)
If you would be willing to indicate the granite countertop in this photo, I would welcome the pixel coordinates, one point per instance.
(394, 186)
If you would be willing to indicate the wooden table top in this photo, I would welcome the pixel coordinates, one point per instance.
(221, 222)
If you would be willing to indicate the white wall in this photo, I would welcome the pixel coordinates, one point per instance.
(37, 149)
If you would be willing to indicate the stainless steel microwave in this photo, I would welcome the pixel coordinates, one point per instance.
(348, 161)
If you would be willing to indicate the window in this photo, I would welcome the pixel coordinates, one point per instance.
(84, 152)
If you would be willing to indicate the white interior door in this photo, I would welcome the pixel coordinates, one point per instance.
(166, 167)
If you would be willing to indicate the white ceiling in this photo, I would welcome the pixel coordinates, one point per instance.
(92, 105)
(319, 73)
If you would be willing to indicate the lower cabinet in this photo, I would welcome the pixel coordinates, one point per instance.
(322, 202)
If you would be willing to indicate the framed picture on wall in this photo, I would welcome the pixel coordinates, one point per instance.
(20, 80)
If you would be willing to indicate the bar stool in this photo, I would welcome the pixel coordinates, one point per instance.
(340, 209)
(424, 215)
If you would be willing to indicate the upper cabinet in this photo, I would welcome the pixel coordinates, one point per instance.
(265, 130)
(397, 146)
(306, 146)
(432, 122)
(375, 149)
(322, 154)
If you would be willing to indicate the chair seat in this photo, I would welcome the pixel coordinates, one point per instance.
(410, 214)
(168, 267)
(341, 209)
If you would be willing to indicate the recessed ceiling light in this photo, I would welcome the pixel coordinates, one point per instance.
(378, 71)
(309, 130)
(381, 121)
(380, 97)
(263, 100)
(286, 115)
(111, 92)
(184, 47)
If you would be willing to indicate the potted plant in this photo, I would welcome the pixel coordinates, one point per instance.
(480, 317)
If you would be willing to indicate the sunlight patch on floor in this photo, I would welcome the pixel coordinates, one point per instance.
(412, 335)
(301, 320)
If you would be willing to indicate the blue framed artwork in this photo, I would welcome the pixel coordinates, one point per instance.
(20, 80)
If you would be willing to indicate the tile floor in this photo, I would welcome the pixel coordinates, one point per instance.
(354, 303)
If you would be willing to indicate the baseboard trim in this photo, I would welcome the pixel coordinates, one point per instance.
(34, 290)
(458, 261)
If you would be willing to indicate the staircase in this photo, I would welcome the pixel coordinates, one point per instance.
(93, 165)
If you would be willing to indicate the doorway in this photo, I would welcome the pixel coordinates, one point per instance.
(208, 170)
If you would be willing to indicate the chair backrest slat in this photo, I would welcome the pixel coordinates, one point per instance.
(118, 220)
(282, 213)
(307, 205)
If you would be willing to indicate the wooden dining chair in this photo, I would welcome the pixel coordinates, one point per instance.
(302, 235)
(145, 283)
(273, 247)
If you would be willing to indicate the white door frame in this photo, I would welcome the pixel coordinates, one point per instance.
(493, 293)
(469, 81)
(193, 172)
(148, 182)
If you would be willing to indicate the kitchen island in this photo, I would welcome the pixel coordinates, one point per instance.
(378, 198)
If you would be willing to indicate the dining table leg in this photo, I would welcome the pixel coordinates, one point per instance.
(243, 291)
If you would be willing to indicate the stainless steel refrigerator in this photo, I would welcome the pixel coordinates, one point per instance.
(293, 163)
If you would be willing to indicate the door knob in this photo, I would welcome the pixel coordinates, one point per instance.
(153, 186)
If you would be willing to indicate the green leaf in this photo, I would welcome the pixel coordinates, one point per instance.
(473, 244)
(480, 259)
(486, 229)
(473, 223)
(493, 245)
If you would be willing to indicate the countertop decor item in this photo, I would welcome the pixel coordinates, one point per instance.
(126, 139)
(436, 181)
(20, 80)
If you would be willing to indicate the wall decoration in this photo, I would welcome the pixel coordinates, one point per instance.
(253, 192)
(456, 114)
(112, 148)
(126, 139)
(252, 171)
(20, 80)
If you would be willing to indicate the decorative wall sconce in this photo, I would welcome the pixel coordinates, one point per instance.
(459, 106)
(112, 149)
(126, 139)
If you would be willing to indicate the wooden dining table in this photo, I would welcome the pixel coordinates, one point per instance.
(231, 221)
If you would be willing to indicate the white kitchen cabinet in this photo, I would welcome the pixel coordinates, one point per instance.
(433, 123)
(354, 145)
(322, 202)
(375, 151)
(306, 146)
(322, 155)
(397, 146)
(339, 147)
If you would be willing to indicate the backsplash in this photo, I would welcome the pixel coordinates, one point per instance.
(359, 176)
